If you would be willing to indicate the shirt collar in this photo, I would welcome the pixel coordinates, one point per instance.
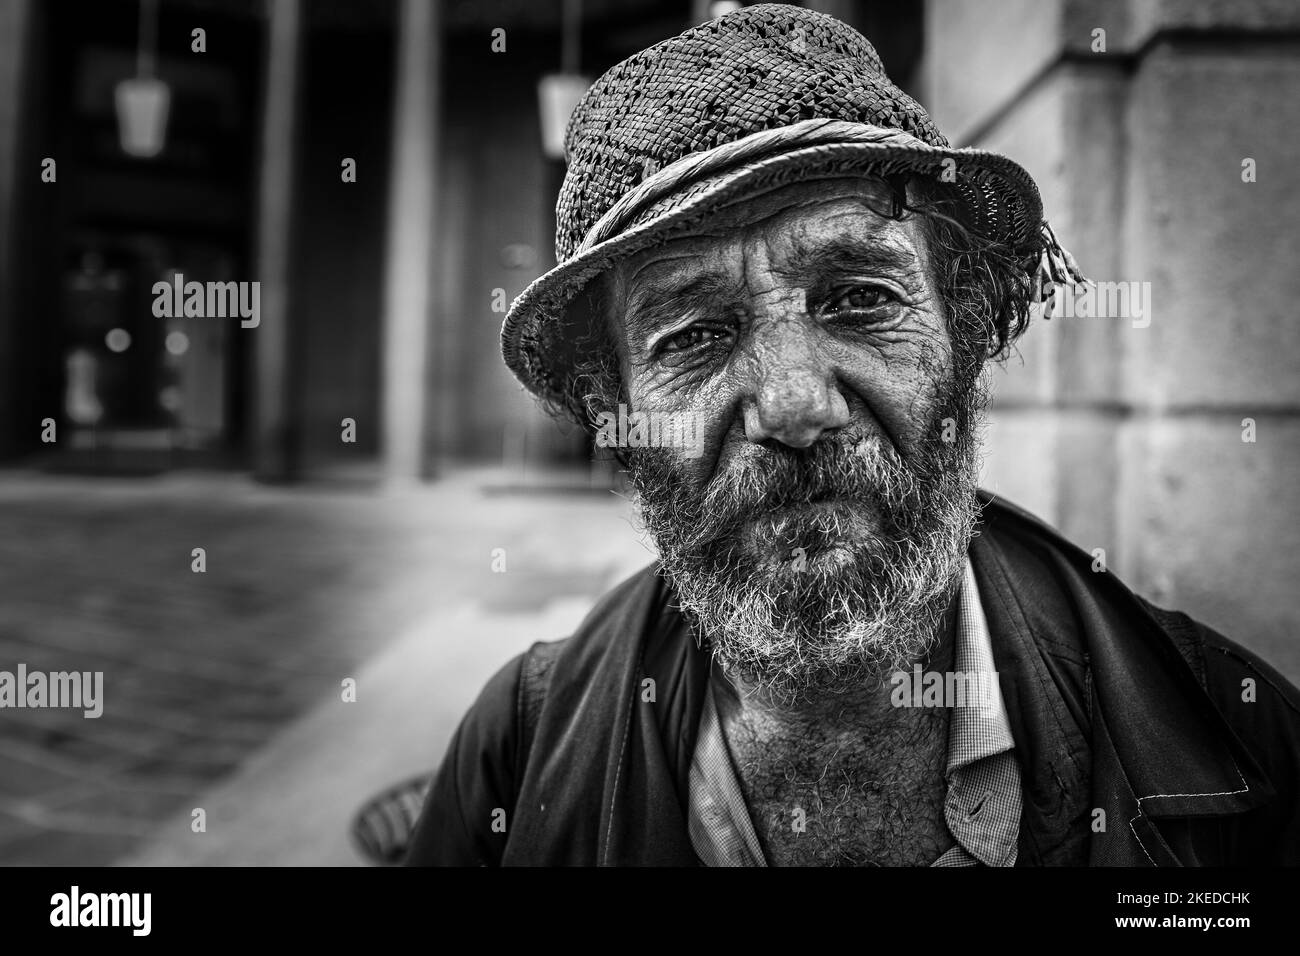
(984, 801)
(979, 726)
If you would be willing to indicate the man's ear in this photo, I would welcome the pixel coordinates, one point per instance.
(579, 332)
(615, 293)
(590, 343)
(605, 310)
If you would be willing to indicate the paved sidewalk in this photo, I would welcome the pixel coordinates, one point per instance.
(304, 587)
(295, 801)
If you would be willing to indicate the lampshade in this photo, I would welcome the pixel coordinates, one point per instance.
(142, 105)
(557, 95)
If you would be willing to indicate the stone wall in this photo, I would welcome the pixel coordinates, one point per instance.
(1131, 438)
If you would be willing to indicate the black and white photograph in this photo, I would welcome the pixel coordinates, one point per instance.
(650, 434)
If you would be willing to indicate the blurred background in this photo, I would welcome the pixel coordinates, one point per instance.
(377, 501)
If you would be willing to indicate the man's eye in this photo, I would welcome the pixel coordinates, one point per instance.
(860, 297)
(694, 337)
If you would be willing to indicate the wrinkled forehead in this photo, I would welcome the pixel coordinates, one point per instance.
(859, 206)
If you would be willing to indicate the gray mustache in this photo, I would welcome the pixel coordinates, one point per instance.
(770, 479)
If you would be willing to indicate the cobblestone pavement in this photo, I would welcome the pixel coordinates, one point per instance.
(302, 586)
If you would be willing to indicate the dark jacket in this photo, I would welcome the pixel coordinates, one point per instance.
(1138, 738)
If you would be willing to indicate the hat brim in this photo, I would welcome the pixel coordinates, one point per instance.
(539, 336)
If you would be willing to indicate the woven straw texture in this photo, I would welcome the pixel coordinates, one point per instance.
(759, 68)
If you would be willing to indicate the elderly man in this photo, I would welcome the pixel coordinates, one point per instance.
(846, 655)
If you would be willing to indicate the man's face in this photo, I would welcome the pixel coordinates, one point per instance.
(817, 539)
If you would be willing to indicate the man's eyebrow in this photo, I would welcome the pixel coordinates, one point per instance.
(844, 255)
(653, 305)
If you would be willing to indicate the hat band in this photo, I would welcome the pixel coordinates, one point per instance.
(664, 182)
(1053, 265)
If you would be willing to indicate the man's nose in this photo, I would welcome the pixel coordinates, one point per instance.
(795, 398)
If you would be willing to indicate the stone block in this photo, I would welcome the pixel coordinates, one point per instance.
(1088, 472)
(1211, 525)
(1020, 462)
(1219, 252)
(980, 53)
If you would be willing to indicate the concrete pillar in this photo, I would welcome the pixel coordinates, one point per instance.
(410, 249)
(273, 412)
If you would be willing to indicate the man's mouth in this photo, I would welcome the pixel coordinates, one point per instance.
(804, 530)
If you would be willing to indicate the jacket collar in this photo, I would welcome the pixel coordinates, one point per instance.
(1098, 689)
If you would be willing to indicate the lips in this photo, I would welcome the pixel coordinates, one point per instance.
(778, 534)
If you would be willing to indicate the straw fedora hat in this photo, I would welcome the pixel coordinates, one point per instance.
(764, 96)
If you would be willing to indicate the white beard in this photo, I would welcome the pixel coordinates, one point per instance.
(822, 597)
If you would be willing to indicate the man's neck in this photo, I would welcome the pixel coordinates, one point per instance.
(846, 778)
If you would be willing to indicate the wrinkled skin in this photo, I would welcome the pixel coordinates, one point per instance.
(816, 542)
(788, 378)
